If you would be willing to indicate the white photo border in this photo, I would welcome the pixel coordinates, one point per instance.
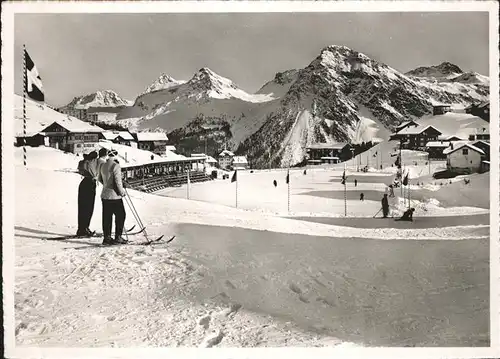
(9, 9)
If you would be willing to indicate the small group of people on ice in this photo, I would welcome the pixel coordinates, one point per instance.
(104, 168)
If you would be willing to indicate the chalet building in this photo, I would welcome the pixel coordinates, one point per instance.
(209, 160)
(464, 158)
(72, 136)
(416, 138)
(240, 163)
(155, 142)
(226, 159)
(440, 109)
(481, 109)
(435, 149)
(482, 135)
(485, 147)
(119, 137)
(328, 153)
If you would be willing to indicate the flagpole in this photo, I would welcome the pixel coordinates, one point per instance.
(24, 105)
(409, 194)
(188, 183)
(236, 189)
(288, 177)
(345, 192)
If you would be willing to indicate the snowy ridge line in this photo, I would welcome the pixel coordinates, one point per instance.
(333, 231)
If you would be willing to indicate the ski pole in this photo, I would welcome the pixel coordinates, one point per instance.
(132, 208)
(377, 212)
(136, 215)
(137, 219)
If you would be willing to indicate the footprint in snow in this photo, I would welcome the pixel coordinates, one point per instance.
(205, 321)
(294, 288)
(212, 339)
(229, 284)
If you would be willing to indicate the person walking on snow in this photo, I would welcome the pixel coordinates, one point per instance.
(362, 196)
(385, 205)
(355, 183)
(86, 193)
(112, 204)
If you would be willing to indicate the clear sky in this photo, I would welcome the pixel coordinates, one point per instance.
(78, 54)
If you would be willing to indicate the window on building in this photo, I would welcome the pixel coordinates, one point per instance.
(465, 151)
(471, 137)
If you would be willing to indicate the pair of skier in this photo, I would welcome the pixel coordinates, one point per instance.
(108, 172)
(407, 215)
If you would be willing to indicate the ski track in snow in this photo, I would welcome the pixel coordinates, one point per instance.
(73, 294)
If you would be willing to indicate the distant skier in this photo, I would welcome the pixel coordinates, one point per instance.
(391, 190)
(355, 183)
(407, 215)
(275, 183)
(86, 193)
(305, 172)
(111, 196)
(385, 206)
(362, 196)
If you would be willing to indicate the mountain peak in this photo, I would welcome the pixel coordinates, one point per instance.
(444, 69)
(206, 79)
(163, 82)
(100, 98)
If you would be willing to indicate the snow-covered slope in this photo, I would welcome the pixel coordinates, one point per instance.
(231, 276)
(351, 98)
(281, 83)
(39, 116)
(207, 100)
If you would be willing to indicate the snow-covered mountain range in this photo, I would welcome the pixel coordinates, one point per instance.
(98, 99)
(342, 95)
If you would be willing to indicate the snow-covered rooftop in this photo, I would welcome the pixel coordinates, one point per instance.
(73, 124)
(151, 136)
(226, 153)
(239, 160)
(415, 130)
(130, 156)
(457, 147)
(39, 117)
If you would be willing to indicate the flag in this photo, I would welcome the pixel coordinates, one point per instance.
(343, 178)
(405, 181)
(376, 153)
(33, 83)
(288, 177)
(234, 178)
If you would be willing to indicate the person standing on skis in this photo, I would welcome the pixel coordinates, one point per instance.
(103, 153)
(385, 206)
(112, 204)
(86, 193)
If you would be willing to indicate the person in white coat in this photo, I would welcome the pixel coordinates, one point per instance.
(112, 204)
